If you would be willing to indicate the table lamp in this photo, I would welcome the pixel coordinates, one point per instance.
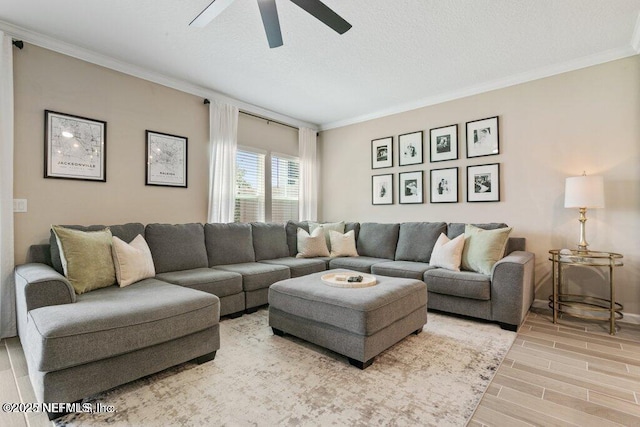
(584, 192)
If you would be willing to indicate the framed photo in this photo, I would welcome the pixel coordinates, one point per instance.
(166, 160)
(74, 147)
(382, 153)
(411, 187)
(382, 189)
(444, 185)
(483, 183)
(482, 137)
(410, 148)
(443, 142)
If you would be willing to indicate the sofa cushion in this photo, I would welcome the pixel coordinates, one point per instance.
(257, 275)
(112, 321)
(228, 243)
(176, 247)
(132, 261)
(416, 240)
(126, 232)
(217, 282)
(299, 266)
(361, 263)
(355, 226)
(378, 240)
(483, 248)
(454, 229)
(311, 245)
(291, 228)
(86, 258)
(406, 269)
(465, 284)
(269, 241)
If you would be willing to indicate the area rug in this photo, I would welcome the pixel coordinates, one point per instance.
(258, 379)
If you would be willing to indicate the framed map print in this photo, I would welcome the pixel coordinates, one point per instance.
(74, 147)
(166, 160)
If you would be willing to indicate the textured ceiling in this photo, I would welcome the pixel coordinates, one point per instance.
(399, 54)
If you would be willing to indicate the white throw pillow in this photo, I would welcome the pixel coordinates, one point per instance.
(327, 227)
(133, 261)
(447, 253)
(311, 245)
(343, 244)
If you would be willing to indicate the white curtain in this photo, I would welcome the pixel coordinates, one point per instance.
(223, 131)
(7, 288)
(308, 199)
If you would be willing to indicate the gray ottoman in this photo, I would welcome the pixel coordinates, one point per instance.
(359, 323)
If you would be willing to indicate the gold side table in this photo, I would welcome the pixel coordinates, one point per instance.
(585, 306)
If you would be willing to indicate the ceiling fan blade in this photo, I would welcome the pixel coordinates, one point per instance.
(271, 23)
(324, 14)
(209, 13)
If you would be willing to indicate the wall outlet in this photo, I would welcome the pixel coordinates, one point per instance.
(19, 205)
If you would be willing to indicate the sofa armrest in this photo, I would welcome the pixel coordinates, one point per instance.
(512, 288)
(39, 285)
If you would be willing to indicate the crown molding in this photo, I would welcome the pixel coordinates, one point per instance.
(513, 80)
(635, 39)
(83, 54)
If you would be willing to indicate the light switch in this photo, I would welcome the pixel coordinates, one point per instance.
(19, 205)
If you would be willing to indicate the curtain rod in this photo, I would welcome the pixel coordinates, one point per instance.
(206, 101)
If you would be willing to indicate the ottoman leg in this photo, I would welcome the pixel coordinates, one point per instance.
(417, 331)
(277, 332)
(361, 365)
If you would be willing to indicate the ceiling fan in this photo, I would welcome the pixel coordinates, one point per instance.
(270, 20)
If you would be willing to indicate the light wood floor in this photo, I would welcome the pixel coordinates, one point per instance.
(573, 373)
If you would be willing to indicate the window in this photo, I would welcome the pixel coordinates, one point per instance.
(249, 186)
(266, 195)
(285, 176)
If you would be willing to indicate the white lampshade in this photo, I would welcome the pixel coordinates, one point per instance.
(584, 192)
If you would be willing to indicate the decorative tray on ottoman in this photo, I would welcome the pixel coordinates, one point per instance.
(341, 280)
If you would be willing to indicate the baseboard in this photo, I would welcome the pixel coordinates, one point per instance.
(630, 318)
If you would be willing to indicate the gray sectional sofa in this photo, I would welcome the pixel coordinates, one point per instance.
(79, 345)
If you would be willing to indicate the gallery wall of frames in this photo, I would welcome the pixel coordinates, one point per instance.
(440, 180)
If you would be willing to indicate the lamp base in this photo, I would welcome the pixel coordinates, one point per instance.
(583, 245)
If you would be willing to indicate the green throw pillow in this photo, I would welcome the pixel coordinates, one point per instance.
(86, 258)
(483, 248)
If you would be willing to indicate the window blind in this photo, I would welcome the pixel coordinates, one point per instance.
(285, 179)
(250, 191)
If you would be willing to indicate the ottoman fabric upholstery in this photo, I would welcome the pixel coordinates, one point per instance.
(359, 323)
(363, 311)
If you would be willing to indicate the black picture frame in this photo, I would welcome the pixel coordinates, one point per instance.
(443, 143)
(166, 160)
(75, 147)
(483, 137)
(483, 183)
(382, 153)
(382, 189)
(410, 148)
(444, 185)
(411, 187)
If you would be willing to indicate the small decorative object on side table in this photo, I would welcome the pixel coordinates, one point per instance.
(579, 305)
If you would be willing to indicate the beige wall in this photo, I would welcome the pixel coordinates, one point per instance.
(549, 129)
(48, 80)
